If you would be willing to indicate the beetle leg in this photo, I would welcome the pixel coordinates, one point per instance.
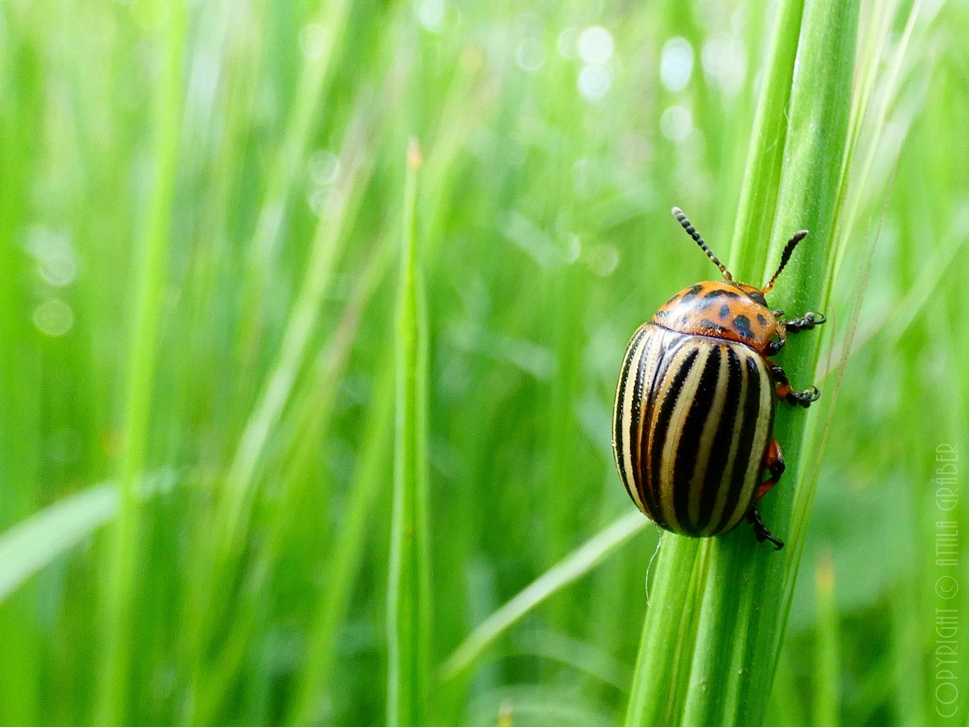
(805, 323)
(775, 345)
(760, 530)
(774, 464)
(784, 390)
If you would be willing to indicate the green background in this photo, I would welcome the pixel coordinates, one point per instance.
(201, 215)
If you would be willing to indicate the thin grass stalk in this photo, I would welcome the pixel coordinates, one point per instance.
(666, 646)
(313, 419)
(755, 212)
(320, 39)
(122, 568)
(408, 590)
(743, 608)
(333, 602)
(228, 527)
(575, 565)
(827, 659)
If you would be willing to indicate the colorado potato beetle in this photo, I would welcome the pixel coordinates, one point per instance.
(694, 414)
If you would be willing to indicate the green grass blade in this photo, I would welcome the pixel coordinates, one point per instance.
(742, 612)
(660, 682)
(334, 601)
(755, 212)
(320, 39)
(408, 590)
(32, 544)
(827, 657)
(123, 553)
(574, 566)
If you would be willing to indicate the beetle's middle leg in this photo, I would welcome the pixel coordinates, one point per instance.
(784, 390)
(774, 464)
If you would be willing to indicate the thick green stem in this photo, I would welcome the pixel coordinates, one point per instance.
(734, 636)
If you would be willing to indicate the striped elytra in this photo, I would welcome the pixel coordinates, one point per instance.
(694, 413)
(693, 419)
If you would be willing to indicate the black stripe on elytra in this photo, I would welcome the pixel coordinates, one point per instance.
(618, 432)
(641, 395)
(751, 406)
(660, 426)
(669, 344)
(687, 447)
(720, 448)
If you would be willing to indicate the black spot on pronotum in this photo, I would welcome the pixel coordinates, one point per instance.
(711, 326)
(742, 324)
(724, 310)
(692, 292)
(661, 314)
(758, 298)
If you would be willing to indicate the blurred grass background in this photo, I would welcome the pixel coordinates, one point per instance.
(201, 209)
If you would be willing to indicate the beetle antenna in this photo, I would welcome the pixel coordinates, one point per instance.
(691, 231)
(785, 257)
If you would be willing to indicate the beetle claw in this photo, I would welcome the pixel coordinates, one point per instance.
(805, 323)
(760, 530)
(804, 398)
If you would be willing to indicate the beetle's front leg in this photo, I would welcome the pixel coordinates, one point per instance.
(805, 323)
(784, 390)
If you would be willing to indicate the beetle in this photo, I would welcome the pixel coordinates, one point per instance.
(694, 412)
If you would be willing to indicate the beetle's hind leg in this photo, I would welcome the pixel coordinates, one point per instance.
(774, 464)
(786, 392)
(760, 530)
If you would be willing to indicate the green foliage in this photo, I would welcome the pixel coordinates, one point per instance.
(202, 206)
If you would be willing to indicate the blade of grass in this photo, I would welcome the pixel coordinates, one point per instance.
(755, 213)
(743, 586)
(333, 602)
(123, 544)
(408, 588)
(230, 520)
(747, 591)
(827, 659)
(319, 40)
(661, 682)
(668, 636)
(574, 566)
(30, 545)
(312, 422)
